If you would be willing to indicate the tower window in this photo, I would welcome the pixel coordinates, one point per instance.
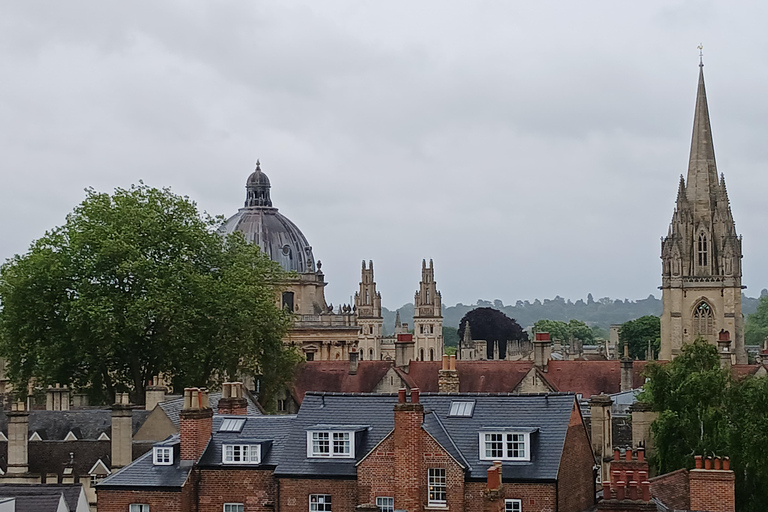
(702, 250)
(431, 354)
(288, 301)
(421, 354)
(703, 321)
(367, 297)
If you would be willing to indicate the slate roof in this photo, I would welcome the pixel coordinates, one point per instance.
(42, 498)
(143, 473)
(173, 407)
(548, 414)
(84, 423)
(272, 431)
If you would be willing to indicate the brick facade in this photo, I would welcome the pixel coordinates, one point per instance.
(120, 501)
(535, 497)
(294, 493)
(256, 489)
(712, 490)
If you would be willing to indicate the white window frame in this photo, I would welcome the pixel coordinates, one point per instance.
(162, 455)
(506, 447)
(235, 453)
(138, 507)
(334, 439)
(234, 507)
(385, 506)
(314, 507)
(435, 480)
(513, 505)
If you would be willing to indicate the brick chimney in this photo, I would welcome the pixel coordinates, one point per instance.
(354, 361)
(154, 393)
(627, 379)
(122, 431)
(628, 489)
(712, 489)
(196, 423)
(542, 347)
(724, 348)
(233, 400)
(448, 377)
(409, 468)
(493, 497)
(57, 398)
(404, 349)
(601, 426)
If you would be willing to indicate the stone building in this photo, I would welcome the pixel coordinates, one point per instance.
(368, 309)
(428, 317)
(701, 254)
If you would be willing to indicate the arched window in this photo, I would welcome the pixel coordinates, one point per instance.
(421, 354)
(431, 354)
(370, 355)
(703, 321)
(702, 250)
(367, 297)
(428, 297)
(371, 329)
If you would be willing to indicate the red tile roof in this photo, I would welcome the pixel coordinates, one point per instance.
(591, 377)
(334, 376)
(474, 376)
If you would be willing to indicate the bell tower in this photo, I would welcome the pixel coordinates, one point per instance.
(368, 308)
(701, 254)
(428, 317)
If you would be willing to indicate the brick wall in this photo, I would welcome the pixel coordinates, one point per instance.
(294, 493)
(712, 490)
(576, 481)
(119, 501)
(257, 489)
(535, 497)
(672, 489)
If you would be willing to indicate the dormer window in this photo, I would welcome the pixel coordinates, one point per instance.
(505, 445)
(162, 455)
(330, 444)
(241, 454)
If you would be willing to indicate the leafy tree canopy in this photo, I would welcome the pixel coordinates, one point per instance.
(756, 330)
(450, 336)
(491, 325)
(638, 333)
(564, 331)
(135, 284)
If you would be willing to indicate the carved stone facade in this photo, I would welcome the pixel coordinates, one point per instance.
(701, 254)
(428, 317)
(368, 309)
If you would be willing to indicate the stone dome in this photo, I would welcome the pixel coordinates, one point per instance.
(263, 225)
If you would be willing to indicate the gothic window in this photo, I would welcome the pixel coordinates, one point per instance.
(703, 321)
(427, 296)
(431, 354)
(370, 353)
(702, 250)
(367, 297)
(421, 354)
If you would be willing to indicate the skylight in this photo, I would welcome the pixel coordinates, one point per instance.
(232, 425)
(461, 409)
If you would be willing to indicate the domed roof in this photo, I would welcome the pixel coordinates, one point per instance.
(263, 225)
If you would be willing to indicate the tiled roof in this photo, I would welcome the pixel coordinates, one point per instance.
(335, 376)
(84, 423)
(273, 430)
(591, 377)
(474, 376)
(549, 414)
(143, 473)
(173, 407)
(43, 497)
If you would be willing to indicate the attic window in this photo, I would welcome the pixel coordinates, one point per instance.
(505, 445)
(162, 455)
(241, 454)
(232, 425)
(330, 444)
(461, 409)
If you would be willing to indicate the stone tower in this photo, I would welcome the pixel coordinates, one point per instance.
(428, 317)
(368, 307)
(701, 254)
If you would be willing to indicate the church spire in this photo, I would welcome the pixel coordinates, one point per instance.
(702, 171)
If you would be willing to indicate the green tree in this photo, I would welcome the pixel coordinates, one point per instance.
(135, 284)
(690, 395)
(450, 336)
(638, 333)
(557, 330)
(756, 330)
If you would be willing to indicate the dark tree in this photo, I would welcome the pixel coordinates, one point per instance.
(492, 325)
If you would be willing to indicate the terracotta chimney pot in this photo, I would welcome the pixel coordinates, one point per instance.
(717, 463)
(708, 463)
(415, 395)
(621, 490)
(616, 454)
(628, 455)
(726, 463)
(697, 458)
(401, 395)
(645, 489)
(641, 454)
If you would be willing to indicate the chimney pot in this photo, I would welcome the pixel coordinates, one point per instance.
(641, 454)
(717, 463)
(645, 488)
(615, 477)
(446, 364)
(415, 395)
(452, 362)
(401, 395)
(708, 463)
(542, 336)
(628, 454)
(616, 454)
(633, 490)
(621, 490)
(697, 458)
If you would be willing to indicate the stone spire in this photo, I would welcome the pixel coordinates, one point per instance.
(702, 182)
(467, 341)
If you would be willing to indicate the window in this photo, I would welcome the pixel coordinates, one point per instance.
(330, 444)
(233, 507)
(241, 454)
(702, 250)
(319, 503)
(281, 405)
(513, 506)
(504, 446)
(385, 504)
(232, 425)
(431, 354)
(288, 301)
(462, 409)
(137, 507)
(437, 486)
(703, 321)
(310, 356)
(162, 455)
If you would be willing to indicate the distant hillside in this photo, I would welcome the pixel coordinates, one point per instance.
(602, 312)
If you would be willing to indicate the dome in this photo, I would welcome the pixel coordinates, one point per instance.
(262, 224)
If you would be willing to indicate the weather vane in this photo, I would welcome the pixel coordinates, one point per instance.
(701, 54)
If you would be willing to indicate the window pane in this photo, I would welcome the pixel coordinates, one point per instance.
(320, 443)
(512, 506)
(233, 507)
(341, 443)
(320, 503)
(494, 445)
(437, 486)
(385, 504)
(516, 446)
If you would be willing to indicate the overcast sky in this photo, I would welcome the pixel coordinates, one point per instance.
(532, 149)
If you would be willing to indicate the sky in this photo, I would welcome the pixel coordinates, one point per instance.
(531, 149)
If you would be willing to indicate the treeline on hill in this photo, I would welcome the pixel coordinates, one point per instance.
(600, 313)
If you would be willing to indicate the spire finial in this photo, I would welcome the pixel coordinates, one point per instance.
(701, 54)
(258, 165)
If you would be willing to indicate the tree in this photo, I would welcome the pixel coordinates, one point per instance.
(565, 331)
(756, 330)
(638, 333)
(135, 284)
(492, 325)
(450, 336)
(689, 394)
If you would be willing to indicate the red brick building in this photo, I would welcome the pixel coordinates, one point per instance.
(343, 452)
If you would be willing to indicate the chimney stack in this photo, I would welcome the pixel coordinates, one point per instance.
(354, 361)
(724, 349)
(627, 379)
(57, 398)
(541, 350)
(601, 426)
(712, 489)
(404, 350)
(18, 439)
(448, 377)
(233, 400)
(122, 431)
(196, 423)
(155, 393)
(409, 459)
